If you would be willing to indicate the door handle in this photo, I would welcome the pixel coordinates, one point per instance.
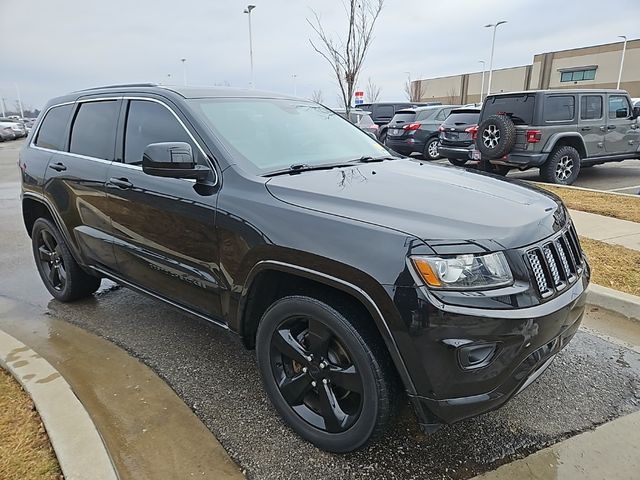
(611, 127)
(585, 129)
(120, 182)
(58, 167)
(602, 128)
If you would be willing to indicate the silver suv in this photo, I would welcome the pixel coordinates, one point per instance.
(558, 131)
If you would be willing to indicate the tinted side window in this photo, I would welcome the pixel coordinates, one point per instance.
(94, 129)
(51, 133)
(442, 114)
(385, 111)
(150, 122)
(619, 107)
(559, 108)
(591, 107)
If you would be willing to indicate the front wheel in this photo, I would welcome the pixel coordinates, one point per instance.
(431, 149)
(327, 375)
(562, 166)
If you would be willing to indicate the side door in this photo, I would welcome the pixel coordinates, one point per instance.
(76, 175)
(621, 135)
(163, 228)
(592, 125)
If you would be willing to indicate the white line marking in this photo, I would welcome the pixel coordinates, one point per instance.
(624, 188)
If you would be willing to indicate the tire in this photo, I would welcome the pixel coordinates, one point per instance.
(383, 137)
(431, 149)
(562, 167)
(358, 373)
(496, 136)
(457, 162)
(59, 271)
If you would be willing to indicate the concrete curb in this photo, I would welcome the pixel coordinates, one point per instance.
(571, 187)
(74, 437)
(615, 301)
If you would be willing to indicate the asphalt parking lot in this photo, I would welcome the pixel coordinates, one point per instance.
(591, 382)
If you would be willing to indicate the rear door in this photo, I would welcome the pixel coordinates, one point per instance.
(164, 228)
(76, 176)
(621, 135)
(592, 124)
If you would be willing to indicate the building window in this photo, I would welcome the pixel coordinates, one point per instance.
(578, 75)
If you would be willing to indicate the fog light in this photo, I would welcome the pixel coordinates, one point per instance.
(476, 356)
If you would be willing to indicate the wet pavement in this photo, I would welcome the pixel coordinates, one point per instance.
(591, 382)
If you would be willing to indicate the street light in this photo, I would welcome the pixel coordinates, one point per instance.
(493, 46)
(184, 70)
(410, 89)
(248, 12)
(624, 48)
(484, 65)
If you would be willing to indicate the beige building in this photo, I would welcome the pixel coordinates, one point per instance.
(587, 67)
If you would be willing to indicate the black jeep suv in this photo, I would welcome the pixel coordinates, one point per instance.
(356, 275)
(558, 131)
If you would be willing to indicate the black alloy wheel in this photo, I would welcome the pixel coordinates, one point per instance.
(59, 271)
(322, 376)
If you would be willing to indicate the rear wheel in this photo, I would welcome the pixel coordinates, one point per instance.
(431, 149)
(562, 167)
(331, 382)
(59, 271)
(457, 162)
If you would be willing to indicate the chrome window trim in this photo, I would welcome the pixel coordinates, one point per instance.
(123, 97)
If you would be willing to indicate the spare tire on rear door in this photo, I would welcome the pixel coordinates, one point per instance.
(496, 136)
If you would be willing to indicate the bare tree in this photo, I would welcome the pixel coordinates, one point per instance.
(346, 55)
(414, 90)
(317, 96)
(372, 91)
(452, 96)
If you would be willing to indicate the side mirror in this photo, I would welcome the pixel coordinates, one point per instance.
(622, 113)
(636, 113)
(173, 160)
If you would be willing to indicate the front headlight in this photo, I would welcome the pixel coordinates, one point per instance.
(464, 272)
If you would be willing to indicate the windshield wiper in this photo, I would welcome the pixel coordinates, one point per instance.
(303, 167)
(367, 159)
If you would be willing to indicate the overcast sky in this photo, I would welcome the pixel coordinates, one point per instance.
(50, 47)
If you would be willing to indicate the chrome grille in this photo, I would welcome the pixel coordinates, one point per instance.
(556, 263)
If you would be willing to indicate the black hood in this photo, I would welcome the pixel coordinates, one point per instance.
(433, 202)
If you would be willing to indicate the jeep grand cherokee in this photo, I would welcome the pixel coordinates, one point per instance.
(356, 275)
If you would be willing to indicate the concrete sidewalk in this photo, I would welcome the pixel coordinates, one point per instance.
(607, 229)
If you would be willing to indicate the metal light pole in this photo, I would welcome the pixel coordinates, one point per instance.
(410, 89)
(19, 101)
(184, 70)
(248, 12)
(295, 87)
(493, 46)
(484, 67)
(624, 49)
(2, 105)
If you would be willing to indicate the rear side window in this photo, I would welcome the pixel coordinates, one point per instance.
(424, 114)
(404, 117)
(365, 121)
(94, 129)
(519, 107)
(591, 107)
(54, 124)
(384, 111)
(150, 122)
(469, 118)
(559, 108)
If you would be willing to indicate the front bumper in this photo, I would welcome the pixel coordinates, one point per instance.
(526, 342)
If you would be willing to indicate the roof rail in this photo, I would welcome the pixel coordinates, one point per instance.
(122, 85)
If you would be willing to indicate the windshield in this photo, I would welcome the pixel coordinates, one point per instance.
(266, 135)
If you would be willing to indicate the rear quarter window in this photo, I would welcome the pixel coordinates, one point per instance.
(559, 108)
(94, 129)
(54, 124)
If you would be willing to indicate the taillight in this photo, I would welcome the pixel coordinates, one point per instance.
(533, 136)
(473, 131)
(412, 126)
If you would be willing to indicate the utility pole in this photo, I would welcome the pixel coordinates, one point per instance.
(493, 46)
(248, 12)
(624, 49)
(19, 101)
(484, 64)
(184, 70)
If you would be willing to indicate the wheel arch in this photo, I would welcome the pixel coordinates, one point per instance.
(269, 280)
(574, 140)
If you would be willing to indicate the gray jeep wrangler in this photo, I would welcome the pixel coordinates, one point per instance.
(557, 131)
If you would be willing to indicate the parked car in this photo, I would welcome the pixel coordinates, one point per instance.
(355, 274)
(382, 113)
(6, 131)
(558, 131)
(415, 130)
(17, 127)
(361, 119)
(456, 139)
